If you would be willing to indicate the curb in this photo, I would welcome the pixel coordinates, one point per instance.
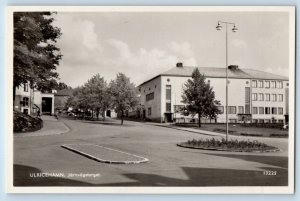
(216, 149)
(180, 129)
(67, 129)
(144, 160)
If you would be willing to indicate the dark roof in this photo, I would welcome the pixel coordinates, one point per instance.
(221, 73)
(64, 92)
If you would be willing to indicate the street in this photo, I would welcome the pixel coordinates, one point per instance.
(168, 165)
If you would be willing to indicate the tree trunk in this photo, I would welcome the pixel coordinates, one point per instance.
(199, 122)
(97, 114)
(122, 116)
(103, 115)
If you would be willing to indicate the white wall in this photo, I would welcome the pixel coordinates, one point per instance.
(155, 104)
(270, 103)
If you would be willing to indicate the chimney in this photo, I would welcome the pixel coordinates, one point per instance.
(233, 67)
(179, 65)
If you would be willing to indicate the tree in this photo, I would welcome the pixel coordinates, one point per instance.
(62, 85)
(124, 95)
(35, 54)
(98, 95)
(199, 97)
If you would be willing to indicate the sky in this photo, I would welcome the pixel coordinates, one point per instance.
(143, 45)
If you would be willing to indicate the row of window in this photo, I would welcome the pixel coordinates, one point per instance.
(260, 121)
(232, 109)
(267, 110)
(255, 110)
(150, 96)
(267, 121)
(267, 97)
(267, 84)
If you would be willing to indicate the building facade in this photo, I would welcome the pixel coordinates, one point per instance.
(253, 96)
(30, 101)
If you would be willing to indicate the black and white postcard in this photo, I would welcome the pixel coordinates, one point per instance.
(158, 99)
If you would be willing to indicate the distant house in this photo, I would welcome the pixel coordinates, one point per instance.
(61, 98)
(253, 96)
(30, 101)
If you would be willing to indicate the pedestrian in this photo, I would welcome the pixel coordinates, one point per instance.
(39, 113)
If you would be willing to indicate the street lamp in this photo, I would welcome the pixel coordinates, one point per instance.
(234, 29)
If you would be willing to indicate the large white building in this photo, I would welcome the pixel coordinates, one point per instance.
(253, 96)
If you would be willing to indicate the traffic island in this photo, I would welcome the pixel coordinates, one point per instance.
(105, 154)
(231, 146)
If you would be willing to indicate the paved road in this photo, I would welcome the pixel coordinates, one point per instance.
(168, 164)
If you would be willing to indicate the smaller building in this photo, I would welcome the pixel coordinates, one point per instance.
(31, 101)
(61, 98)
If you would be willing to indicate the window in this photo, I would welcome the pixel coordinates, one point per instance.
(267, 97)
(233, 121)
(279, 84)
(254, 110)
(26, 87)
(25, 101)
(274, 110)
(267, 110)
(254, 97)
(261, 121)
(231, 109)
(149, 111)
(168, 107)
(267, 121)
(221, 109)
(150, 96)
(254, 121)
(280, 121)
(261, 110)
(274, 97)
(273, 84)
(168, 92)
(254, 83)
(241, 109)
(280, 97)
(280, 110)
(260, 96)
(267, 84)
(260, 84)
(25, 111)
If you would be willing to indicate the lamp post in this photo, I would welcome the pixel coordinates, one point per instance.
(234, 29)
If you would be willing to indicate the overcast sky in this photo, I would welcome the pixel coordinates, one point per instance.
(142, 45)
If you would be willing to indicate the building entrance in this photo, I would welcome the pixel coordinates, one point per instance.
(168, 117)
(46, 105)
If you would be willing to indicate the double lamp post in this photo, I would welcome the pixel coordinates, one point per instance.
(234, 29)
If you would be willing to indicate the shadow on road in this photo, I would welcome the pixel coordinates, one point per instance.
(279, 161)
(22, 178)
(210, 177)
(196, 177)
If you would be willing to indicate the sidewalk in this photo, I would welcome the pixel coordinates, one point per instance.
(210, 133)
(192, 130)
(51, 126)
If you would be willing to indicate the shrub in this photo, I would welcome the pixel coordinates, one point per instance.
(26, 123)
(232, 145)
